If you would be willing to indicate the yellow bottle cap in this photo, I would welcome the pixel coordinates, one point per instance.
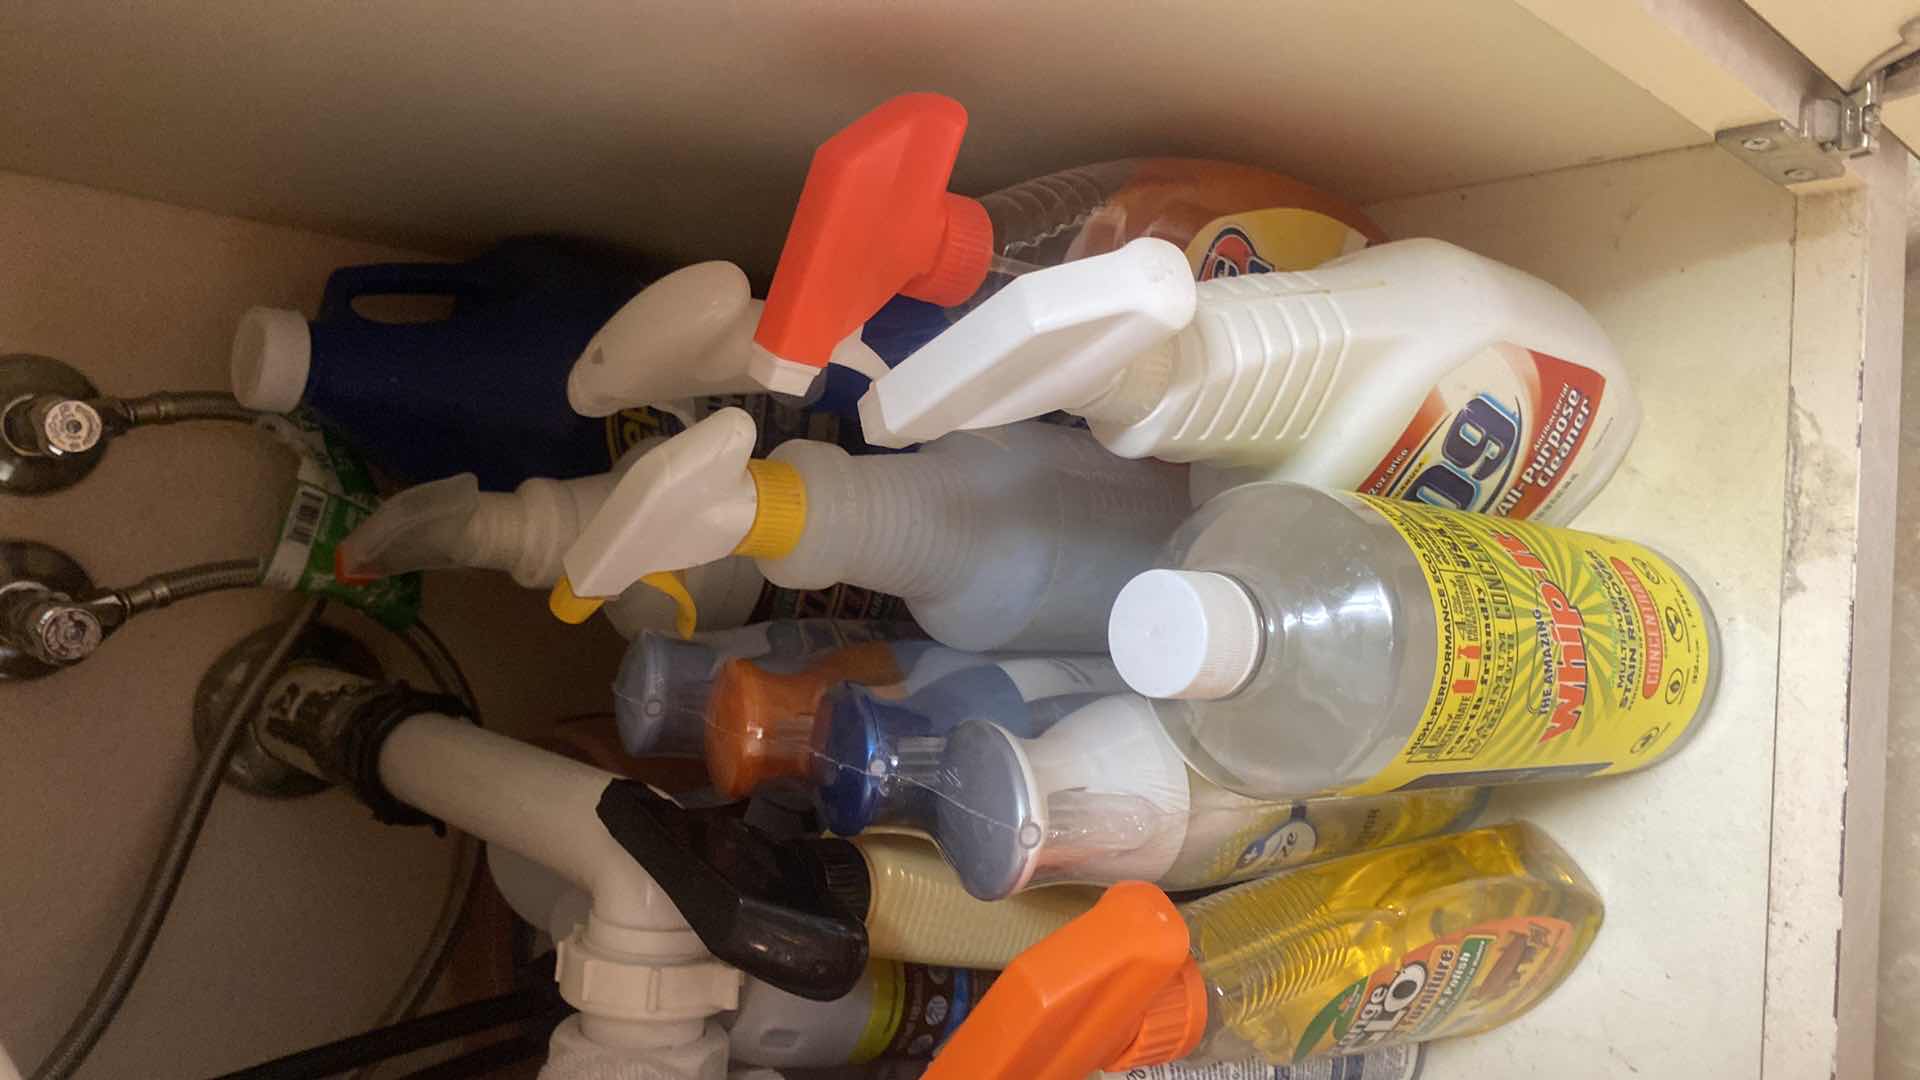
(780, 511)
(569, 608)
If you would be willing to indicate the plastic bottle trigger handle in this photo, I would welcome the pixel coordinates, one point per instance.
(1113, 989)
(691, 500)
(1057, 338)
(874, 219)
(687, 335)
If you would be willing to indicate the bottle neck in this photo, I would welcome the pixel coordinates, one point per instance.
(881, 764)
(761, 727)
(1112, 791)
(912, 783)
(1138, 391)
(662, 694)
(495, 536)
(901, 523)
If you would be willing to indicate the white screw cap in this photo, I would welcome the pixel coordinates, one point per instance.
(1184, 634)
(272, 352)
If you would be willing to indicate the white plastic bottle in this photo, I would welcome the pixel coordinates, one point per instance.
(1103, 796)
(1413, 370)
(1315, 642)
(1012, 539)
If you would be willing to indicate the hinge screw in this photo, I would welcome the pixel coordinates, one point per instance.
(1757, 143)
(1799, 176)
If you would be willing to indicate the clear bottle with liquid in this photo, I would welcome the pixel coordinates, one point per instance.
(1312, 642)
(1443, 937)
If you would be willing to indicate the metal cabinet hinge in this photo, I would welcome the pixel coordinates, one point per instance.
(1831, 128)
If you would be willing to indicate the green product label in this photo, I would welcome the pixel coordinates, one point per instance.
(332, 495)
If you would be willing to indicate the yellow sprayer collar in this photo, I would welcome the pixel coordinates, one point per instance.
(779, 519)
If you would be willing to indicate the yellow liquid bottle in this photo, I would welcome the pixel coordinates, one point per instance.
(1445, 936)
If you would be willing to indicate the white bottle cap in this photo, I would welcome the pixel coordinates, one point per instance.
(1184, 634)
(272, 353)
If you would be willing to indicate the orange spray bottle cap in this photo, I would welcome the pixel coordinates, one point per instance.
(874, 219)
(1114, 989)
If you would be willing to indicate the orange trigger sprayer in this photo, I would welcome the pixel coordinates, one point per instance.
(1114, 988)
(874, 219)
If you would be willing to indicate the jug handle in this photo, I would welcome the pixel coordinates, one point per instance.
(349, 283)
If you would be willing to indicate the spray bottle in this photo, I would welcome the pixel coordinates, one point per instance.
(912, 907)
(1413, 370)
(1315, 642)
(691, 333)
(1100, 796)
(452, 523)
(1013, 539)
(1446, 936)
(898, 1009)
(875, 219)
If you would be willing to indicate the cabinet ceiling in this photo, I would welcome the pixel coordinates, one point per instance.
(686, 126)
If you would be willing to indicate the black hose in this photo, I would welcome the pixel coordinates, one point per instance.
(483, 1061)
(445, 671)
(380, 1044)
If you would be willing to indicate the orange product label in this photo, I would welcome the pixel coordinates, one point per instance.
(1263, 241)
(1498, 435)
(1460, 982)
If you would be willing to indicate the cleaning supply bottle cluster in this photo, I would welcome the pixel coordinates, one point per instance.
(1295, 695)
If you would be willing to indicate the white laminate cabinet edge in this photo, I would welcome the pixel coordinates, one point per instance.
(1835, 614)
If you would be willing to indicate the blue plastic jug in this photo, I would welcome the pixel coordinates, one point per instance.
(482, 390)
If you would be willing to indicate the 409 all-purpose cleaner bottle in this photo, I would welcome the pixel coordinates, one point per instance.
(1415, 370)
(1320, 642)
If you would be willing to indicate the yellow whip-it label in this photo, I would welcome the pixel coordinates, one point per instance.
(1560, 653)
